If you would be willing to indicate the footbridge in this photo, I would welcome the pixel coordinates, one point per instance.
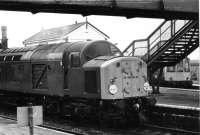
(167, 45)
(167, 9)
(170, 43)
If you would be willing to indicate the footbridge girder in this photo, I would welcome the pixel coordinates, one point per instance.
(167, 9)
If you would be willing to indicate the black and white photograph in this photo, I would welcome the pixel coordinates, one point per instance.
(99, 67)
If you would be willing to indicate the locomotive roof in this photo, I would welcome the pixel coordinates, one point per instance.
(55, 52)
(11, 51)
(49, 52)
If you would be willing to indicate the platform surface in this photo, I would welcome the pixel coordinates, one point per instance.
(177, 97)
(9, 127)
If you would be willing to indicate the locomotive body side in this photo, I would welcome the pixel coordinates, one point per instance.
(35, 70)
(12, 76)
(54, 70)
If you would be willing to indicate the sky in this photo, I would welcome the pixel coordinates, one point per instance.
(22, 25)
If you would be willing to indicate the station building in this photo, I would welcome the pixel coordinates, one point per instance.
(83, 31)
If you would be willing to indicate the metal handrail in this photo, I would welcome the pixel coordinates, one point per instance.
(156, 29)
(137, 48)
(178, 33)
(132, 44)
(160, 35)
(172, 25)
(161, 32)
(167, 40)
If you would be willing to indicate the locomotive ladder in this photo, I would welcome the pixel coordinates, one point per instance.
(170, 43)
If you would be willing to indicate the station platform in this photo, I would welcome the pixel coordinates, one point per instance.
(10, 127)
(178, 98)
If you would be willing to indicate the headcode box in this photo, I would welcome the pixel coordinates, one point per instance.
(23, 116)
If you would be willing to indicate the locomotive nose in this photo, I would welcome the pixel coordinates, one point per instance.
(123, 77)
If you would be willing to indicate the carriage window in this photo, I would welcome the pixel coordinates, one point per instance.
(187, 66)
(180, 67)
(171, 69)
(75, 59)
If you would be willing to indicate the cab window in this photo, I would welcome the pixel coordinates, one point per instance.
(171, 69)
(75, 59)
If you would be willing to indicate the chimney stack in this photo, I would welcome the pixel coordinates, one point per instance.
(4, 40)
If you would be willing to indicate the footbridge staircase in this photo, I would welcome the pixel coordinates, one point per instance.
(170, 43)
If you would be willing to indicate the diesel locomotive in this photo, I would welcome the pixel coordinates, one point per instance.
(82, 78)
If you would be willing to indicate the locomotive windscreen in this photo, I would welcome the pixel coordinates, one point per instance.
(95, 49)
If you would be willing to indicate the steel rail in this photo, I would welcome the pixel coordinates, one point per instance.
(172, 129)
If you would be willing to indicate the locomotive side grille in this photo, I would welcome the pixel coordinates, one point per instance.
(39, 76)
(91, 84)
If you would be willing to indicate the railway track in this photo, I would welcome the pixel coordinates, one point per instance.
(47, 126)
(88, 128)
(180, 119)
(173, 130)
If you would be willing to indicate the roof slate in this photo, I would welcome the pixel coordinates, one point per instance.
(53, 33)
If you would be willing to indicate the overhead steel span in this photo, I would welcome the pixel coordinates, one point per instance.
(166, 9)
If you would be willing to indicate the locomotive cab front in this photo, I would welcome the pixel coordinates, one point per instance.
(117, 77)
(120, 83)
